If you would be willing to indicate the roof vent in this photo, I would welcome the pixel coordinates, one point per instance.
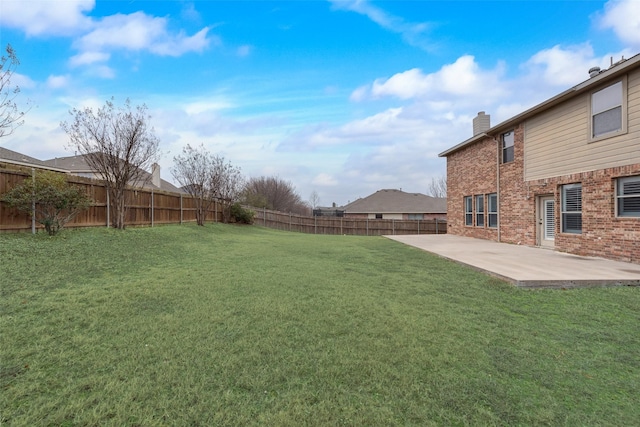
(594, 71)
(481, 123)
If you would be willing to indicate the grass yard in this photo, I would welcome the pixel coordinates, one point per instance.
(241, 326)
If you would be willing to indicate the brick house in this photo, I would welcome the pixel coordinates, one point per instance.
(564, 174)
(397, 204)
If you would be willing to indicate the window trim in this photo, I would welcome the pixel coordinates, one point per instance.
(480, 210)
(491, 213)
(468, 213)
(624, 104)
(564, 212)
(504, 149)
(619, 196)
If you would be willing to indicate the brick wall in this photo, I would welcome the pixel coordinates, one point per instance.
(472, 170)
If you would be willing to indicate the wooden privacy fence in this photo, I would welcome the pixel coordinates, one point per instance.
(145, 207)
(350, 226)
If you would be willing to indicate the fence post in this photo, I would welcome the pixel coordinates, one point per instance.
(108, 207)
(180, 208)
(367, 226)
(418, 227)
(315, 224)
(152, 207)
(340, 225)
(289, 221)
(264, 216)
(393, 226)
(436, 225)
(33, 202)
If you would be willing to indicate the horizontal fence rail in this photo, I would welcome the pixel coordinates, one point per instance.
(346, 225)
(144, 207)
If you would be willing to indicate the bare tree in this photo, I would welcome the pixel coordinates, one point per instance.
(229, 187)
(314, 199)
(10, 115)
(438, 187)
(207, 178)
(118, 145)
(275, 194)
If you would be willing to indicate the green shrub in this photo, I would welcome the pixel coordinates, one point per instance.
(56, 201)
(242, 215)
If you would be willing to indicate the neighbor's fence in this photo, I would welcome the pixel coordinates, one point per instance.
(145, 207)
(350, 226)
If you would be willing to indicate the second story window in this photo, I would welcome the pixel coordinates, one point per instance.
(507, 147)
(606, 110)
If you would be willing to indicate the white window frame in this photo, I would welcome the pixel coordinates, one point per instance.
(479, 199)
(620, 197)
(468, 213)
(492, 213)
(623, 111)
(570, 211)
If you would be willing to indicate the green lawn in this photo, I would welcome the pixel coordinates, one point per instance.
(227, 325)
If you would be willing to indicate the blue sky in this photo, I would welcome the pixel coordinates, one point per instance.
(339, 97)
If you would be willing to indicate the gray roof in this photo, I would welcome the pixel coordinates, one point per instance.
(78, 164)
(397, 201)
(70, 163)
(20, 159)
(612, 72)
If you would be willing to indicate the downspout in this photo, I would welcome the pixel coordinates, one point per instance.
(498, 185)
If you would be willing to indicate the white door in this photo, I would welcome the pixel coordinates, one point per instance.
(547, 221)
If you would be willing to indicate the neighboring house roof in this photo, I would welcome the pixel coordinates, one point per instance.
(76, 164)
(397, 201)
(79, 165)
(612, 72)
(13, 157)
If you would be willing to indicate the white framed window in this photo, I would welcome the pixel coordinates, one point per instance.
(507, 140)
(480, 210)
(628, 196)
(492, 210)
(608, 110)
(572, 208)
(468, 211)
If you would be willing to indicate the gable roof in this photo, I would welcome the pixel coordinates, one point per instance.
(71, 163)
(615, 71)
(13, 157)
(397, 201)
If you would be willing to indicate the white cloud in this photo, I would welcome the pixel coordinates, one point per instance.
(86, 58)
(623, 17)
(560, 66)
(413, 33)
(57, 82)
(21, 81)
(139, 31)
(462, 79)
(47, 17)
(325, 180)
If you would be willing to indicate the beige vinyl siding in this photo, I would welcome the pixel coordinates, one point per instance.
(557, 142)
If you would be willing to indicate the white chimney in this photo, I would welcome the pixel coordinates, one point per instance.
(155, 174)
(481, 123)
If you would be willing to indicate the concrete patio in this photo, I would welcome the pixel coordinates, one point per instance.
(524, 266)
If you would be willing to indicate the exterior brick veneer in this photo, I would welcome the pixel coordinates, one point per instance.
(475, 169)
